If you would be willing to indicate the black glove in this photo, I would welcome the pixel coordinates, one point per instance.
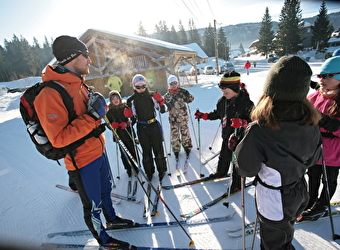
(96, 106)
(233, 142)
(328, 123)
(314, 85)
(98, 131)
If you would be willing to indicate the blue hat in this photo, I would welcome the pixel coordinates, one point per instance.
(336, 53)
(331, 65)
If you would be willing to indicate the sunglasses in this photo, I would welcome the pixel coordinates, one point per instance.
(326, 76)
(173, 83)
(222, 87)
(114, 98)
(85, 54)
(140, 87)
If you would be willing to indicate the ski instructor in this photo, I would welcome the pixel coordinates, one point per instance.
(88, 166)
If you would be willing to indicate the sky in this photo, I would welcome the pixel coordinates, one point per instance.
(40, 18)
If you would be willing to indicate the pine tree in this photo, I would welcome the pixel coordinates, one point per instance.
(290, 32)
(266, 34)
(208, 41)
(174, 38)
(322, 29)
(194, 36)
(182, 34)
(141, 31)
(241, 49)
(222, 44)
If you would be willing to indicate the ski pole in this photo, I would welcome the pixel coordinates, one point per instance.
(192, 125)
(334, 236)
(218, 129)
(243, 213)
(118, 176)
(254, 233)
(110, 172)
(121, 143)
(199, 143)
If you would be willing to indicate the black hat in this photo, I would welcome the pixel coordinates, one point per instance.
(67, 48)
(231, 80)
(288, 79)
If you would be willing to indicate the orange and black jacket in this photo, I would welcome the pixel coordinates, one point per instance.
(53, 116)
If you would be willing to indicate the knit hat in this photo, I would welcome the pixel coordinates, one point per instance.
(138, 79)
(115, 92)
(331, 65)
(288, 79)
(172, 78)
(231, 79)
(67, 48)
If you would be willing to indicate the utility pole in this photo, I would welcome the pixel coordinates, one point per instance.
(216, 50)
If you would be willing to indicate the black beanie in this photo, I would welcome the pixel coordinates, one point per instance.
(67, 48)
(231, 80)
(288, 79)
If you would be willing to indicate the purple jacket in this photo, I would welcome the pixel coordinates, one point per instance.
(331, 146)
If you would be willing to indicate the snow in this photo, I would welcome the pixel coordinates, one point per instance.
(31, 206)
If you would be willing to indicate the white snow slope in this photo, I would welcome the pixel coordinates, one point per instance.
(31, 206)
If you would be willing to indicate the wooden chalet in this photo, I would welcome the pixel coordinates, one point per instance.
(127, 55)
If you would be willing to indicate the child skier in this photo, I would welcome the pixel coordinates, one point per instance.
(278, 146)
(235, 103)
(178, 116)
(142, 105)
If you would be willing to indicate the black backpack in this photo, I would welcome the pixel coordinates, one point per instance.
(34, 128)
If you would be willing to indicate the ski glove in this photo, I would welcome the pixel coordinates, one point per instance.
(115, 125)
(98, 131)
(96, 106)
(328, 123)
(238, 123)
(233, 142)
(128, 112)
(158, 98)
(124, 125)
(199, 115)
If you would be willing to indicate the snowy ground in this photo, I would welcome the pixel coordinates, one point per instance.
(31, 206)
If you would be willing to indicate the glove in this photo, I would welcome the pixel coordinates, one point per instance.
(98, 131)
(115, 125)
(238, 123)
(199, 115)
(96, 106)
(128, 112)
(314, 85)
(328, 123)
(233, 142)
(158, 98)
(124, 125)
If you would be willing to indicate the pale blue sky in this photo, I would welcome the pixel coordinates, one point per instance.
(52, 18)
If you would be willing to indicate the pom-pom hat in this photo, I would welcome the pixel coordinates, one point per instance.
(288, 79)
(331, 66)
(67, 48)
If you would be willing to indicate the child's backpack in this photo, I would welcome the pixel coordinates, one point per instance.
(34, 128)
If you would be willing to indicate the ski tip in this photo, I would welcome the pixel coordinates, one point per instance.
(191, 243)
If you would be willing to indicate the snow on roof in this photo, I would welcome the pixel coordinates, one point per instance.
(197, 48)
(142, 39)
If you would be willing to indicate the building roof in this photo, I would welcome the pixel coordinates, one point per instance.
(197, 48)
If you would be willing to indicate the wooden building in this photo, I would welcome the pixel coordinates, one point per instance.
(127, 55)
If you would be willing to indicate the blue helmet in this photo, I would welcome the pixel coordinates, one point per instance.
(331, 66)
(336, 53)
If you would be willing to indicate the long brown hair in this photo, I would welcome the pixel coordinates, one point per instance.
(269, 113)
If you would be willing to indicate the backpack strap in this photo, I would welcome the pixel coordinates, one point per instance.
(68, 102)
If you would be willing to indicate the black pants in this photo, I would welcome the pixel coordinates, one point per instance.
(151, 140)
(278, 235)
(315, 174)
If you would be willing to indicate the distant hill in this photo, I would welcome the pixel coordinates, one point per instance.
(246, 33)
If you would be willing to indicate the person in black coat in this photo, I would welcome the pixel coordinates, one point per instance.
(123, 127)
(235, 103)
(142, 105)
